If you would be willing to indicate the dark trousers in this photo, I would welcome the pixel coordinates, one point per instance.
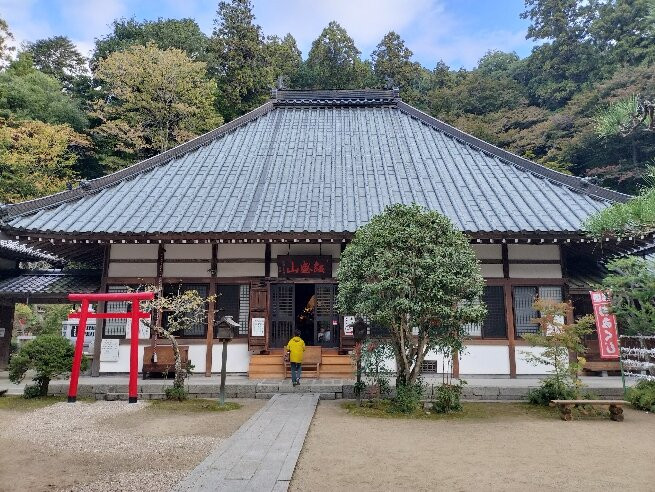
(296, 370)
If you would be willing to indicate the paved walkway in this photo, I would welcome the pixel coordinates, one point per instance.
(262, 454)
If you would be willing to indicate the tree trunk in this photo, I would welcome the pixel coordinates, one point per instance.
(179, 373)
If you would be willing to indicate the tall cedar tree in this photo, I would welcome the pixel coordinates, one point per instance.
(58, 57)
(237, 60)
(334, 63)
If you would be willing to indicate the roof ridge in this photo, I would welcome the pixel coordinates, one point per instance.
(574, 182)
(335, 97)
(86, 187)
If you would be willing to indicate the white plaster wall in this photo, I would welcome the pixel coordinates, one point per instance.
(241, 251)
(535, 271)
(240, 270)
(133, 251)
(238, 357)
(533, 251)
(187, 269)
(492, 271)
(522, 365)
(197, 357)
(132, 270)
(188, 252)
(484, 359)
(488, 251)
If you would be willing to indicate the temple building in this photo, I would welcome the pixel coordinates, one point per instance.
(259, 211)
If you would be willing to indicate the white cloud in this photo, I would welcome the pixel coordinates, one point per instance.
(91, 17)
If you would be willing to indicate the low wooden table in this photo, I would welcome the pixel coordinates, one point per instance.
(565, 406)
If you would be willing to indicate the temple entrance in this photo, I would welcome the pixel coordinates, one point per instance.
(309, 308)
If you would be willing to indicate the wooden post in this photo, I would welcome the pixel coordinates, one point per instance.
(509, 313)
(100, 323)
(6, 324)
(267, 260)
(211, 313)
(223, 372)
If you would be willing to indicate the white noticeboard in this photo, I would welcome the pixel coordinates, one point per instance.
(109, 350)
(257, 329)
(2, 332)
(348, 322)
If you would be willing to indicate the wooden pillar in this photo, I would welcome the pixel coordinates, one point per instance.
(456, 364)
(211, 312)
(509, 313)
(267, 260)
(6, 327)
(100, 323)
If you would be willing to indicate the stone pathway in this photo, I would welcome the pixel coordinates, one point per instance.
(262, 454)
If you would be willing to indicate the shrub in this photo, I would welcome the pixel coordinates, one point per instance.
(32, 391)
(407, 399)
(447, 398)
(178, 393)
(551, 388)
(49, 355)
(642, 395)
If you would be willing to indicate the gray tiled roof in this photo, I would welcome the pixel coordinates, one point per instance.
(13, 250)
(49, 283)
(320, 162)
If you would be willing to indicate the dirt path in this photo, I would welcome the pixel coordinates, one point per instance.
(108, 445)
(344, 452)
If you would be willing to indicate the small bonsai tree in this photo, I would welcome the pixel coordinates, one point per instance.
(631, 283)
(558, 340)
(183, 310)
(49, 355)
(412, 271)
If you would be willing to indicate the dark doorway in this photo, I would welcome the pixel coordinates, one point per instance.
(305, 306)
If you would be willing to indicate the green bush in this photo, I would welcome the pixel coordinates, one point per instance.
(642, 395)
(407, 399)
(178, 393)
(551, 389)
(447, 398)
(32, 391)
(49, 355)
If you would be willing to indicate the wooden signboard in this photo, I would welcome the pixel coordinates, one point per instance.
(304, 266)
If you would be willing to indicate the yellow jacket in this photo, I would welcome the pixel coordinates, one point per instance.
(296, 348)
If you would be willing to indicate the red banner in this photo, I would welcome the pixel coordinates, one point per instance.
(608, 340)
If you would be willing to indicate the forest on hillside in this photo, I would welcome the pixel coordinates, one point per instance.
(151, 85)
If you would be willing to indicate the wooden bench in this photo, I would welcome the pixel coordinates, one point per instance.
(165, 359)
(601, 366)
(311, 360)
(565, 406)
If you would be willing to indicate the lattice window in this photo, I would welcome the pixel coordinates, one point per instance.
(524, 313)
(234, 300)
(494, 325)
(429, 366)
(114, 327)
(244, 309)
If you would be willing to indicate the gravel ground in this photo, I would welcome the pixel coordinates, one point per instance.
(108, 446)
(346, 452)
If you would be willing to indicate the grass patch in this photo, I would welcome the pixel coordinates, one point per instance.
(193, 405)
(20, 404)
(470, 411)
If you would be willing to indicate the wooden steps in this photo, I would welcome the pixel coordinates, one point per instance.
(270, 366)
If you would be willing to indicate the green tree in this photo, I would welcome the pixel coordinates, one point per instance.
(495, 62)
(392, 64)
(558, 340)
(5, 37)
(36, 158)
(49, 356)
(155, 99)
(27, 93)
(410, 270)
(237, 59)
(334, 62)
(183, 34)
(58, 57)
(284, 58)
(631, 284)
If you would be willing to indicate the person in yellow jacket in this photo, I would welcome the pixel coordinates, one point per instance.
(296, 349)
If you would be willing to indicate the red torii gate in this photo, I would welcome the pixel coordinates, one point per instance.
(135, 314)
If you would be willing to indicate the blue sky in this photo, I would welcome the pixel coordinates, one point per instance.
(457, 31)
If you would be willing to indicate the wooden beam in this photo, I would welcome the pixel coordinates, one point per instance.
(100, 323)
(267, 260)
(209, 346)
(509, 313)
